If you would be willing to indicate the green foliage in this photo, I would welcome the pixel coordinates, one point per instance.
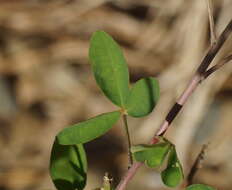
(88, 130)
(199, 187)
(152, 155)
(143, 97)
(172, 176)
(109, 67)
(68, 166)
(68, 163)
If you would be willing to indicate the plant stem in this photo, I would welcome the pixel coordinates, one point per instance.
(213, 39)
(196, 165)
(218, 66)
(128, 139)
(196, 80)
(213, 50)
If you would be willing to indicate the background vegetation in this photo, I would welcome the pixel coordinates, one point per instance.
(46, 84)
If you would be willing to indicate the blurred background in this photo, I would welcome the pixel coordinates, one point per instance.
(46, 84)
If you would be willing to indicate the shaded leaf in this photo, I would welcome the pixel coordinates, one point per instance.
(68, 166)
(199, 187)
(88, 130)
(143, 97)
(109, 67)
(152, 155)
(173, 175)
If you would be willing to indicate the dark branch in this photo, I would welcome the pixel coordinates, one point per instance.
(214, 49)
(217, 66)
(197, 164)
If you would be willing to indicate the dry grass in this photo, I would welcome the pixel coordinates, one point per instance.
(46, 84)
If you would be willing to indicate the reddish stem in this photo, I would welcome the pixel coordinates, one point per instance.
(196, 80)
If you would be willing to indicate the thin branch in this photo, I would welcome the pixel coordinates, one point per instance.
(197, 164)
(215, 49)
(217, 66)
(178, 105)
(128, 139)
(211, 23)
(196, 80)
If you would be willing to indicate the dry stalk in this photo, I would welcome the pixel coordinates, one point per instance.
(197, 164)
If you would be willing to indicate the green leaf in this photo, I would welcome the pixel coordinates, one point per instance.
(109, 67)
(199, 187)
(152, 155)
(68, 166)
(173, 175)
(89, 129)
(143, 97)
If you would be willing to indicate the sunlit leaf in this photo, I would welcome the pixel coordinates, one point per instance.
(200, 187)
(68, 166)
(88, 130)
(152, 155)
(173, 175)
(109, 67)
(143, 97)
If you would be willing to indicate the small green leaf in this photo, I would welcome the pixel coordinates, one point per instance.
(173, 174)
(152, 155)
(89, 129)
(143, 97)
(199, 187)
(109, 67)
(68, 166)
